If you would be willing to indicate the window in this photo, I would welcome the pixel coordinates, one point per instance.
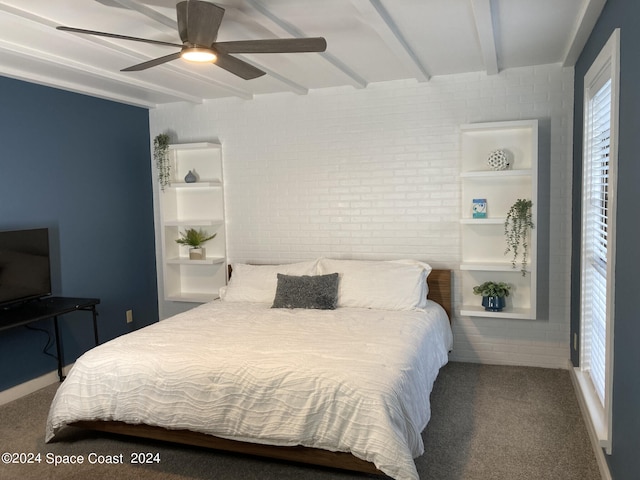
(598, 235)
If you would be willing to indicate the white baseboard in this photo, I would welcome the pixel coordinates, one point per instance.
(591, 429)
(24, 389)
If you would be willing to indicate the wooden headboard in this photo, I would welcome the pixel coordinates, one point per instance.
(439, 281)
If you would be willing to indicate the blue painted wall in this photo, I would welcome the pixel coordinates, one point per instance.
(81, 167)
(625, 459)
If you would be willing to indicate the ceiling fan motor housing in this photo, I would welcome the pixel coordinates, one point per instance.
(198, 22)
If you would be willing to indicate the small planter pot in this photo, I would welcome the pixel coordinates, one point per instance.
(493, 304)
(197, 254)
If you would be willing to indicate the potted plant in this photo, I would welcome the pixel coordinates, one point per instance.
(161, 157)
(493, 295)
(516, 230)
(194, 239)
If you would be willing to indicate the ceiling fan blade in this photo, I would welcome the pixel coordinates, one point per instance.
(152, 63)
(114, 35)
(276, 45)
(198, 22)
(238, 67)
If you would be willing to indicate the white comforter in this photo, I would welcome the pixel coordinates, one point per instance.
(352, 380)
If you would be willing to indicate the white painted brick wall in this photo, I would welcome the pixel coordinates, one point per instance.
(373, 174)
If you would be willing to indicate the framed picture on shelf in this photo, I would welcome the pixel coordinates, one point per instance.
(479, 208)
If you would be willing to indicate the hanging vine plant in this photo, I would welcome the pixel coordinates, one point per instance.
(517, 225)
(161, 157)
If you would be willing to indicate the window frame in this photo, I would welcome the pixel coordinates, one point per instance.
(605, 67)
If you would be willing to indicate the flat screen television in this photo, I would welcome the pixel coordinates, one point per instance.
(25, 271)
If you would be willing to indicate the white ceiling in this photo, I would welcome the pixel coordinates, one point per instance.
(368, 41)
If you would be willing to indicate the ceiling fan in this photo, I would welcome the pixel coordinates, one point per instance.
(198, 25)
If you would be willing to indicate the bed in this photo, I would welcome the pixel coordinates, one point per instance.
(329, 362)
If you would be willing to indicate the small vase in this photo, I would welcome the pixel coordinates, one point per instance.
(197, 253)
(493, 304)
(190, 177)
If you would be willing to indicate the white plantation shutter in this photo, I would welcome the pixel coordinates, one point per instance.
(594, 302)
(599, 167)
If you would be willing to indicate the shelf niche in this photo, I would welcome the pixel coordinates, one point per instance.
(193, 205)
(483, 241)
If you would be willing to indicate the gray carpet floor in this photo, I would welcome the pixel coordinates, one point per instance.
(488, 423)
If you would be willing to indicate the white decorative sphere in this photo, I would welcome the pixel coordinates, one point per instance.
(498, 160)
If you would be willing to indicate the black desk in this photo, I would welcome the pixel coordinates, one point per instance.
(49, 307)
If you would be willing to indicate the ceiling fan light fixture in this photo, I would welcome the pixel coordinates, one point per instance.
(197, 54)
(198, 22)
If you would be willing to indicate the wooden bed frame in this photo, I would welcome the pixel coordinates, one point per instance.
(439, 282)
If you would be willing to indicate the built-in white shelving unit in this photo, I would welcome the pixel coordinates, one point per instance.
(483, 240)
(197, 205)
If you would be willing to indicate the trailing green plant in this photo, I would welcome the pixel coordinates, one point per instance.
(194, 238)
(161, 157)
(492, 289)
(517, 225)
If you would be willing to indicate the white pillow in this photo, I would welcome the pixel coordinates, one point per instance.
(258, 283)
(385, 285)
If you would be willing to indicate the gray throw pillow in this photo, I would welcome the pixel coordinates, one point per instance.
(306, 291)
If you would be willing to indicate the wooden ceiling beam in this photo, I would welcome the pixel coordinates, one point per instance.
(483, 17)
(381, 21)
(66, 64)
(352, 77)
(149, 13)
(591, 10)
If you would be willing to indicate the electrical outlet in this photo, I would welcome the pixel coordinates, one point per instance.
(129, 316)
